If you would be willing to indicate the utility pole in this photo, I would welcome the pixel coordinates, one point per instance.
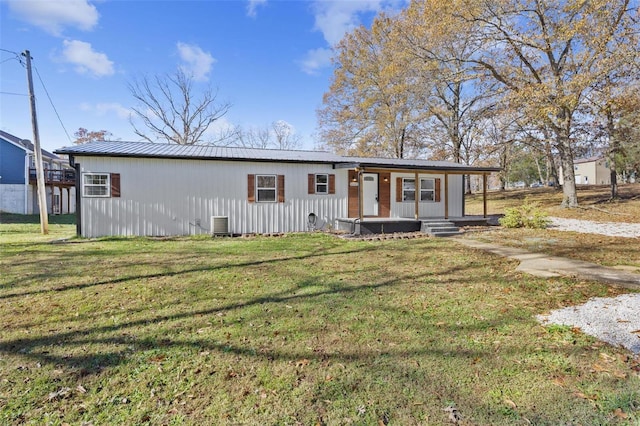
(42, 193)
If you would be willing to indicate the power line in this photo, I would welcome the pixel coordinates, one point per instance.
(15, 94)
(52, 105)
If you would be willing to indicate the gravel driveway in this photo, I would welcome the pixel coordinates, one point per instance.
(615, 320)
(612, 229)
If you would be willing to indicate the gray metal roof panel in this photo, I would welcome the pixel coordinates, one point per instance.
(159, 150)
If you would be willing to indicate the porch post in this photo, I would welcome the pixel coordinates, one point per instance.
(417, 196)
(360, 196)
(484, 194)
(446, 195)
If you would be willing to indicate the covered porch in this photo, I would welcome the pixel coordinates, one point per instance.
(374, 225)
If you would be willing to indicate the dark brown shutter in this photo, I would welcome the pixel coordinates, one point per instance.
(115, 185)
(437, 190)
(281, 188)
(251, 188)
(312, 184)
(332, 184)
(399, 189)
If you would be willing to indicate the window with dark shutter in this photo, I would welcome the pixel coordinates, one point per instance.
(311, 184)
(332, 184)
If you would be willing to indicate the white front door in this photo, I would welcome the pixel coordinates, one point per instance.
(370, 194)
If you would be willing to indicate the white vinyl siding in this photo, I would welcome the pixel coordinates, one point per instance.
(178, 197)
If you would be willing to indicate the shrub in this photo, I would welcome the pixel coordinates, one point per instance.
(528, 215)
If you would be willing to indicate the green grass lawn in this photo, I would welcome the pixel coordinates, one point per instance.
(301, 329)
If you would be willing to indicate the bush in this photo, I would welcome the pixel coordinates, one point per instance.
(528, 215)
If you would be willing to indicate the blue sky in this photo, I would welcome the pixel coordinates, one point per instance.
(269, 58)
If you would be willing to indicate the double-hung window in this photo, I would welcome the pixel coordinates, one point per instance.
(95, 185)
(266, 188)
(408, 189)
(427, 189)
(322, 183)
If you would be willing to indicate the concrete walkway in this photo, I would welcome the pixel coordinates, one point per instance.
(542, 265)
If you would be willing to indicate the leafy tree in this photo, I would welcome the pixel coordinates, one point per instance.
(370, 109)
(547, 55)
(170, 109)
(84, 136)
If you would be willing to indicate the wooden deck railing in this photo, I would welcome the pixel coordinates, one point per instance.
(64, 177)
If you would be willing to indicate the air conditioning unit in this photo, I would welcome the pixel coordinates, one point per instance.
(220, 225)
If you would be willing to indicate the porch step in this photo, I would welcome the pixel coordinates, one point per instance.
(440, 228)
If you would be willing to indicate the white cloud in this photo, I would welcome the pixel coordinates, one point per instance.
(53, 15)
(86, 60)
(106, 108)
(196, 61)
(252, 7)
(334, 18)
(315, 60)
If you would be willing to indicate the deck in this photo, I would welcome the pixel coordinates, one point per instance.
(55, 177)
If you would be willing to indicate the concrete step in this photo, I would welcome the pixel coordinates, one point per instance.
(440, 228)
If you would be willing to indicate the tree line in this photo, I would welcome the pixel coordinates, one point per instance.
(476, 81)
(529, 85)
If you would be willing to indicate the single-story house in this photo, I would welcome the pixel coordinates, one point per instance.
(152, 189)
(18, 187)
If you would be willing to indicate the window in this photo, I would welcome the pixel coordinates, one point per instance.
(266, 188)
(95, 185)
(427, 190)
(408, 189)
(322, 184)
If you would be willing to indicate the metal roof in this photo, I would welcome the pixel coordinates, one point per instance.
(212, 152)
(26, 144)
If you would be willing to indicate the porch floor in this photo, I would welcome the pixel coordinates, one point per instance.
(389, 225)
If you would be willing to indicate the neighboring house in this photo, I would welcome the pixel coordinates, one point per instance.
(134, 188)
(590, 171)
(18, 188)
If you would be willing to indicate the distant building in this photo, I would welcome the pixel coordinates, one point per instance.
(18, 188)
(590, 171)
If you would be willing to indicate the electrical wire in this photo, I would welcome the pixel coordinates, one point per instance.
(15, 94)
(52, 105)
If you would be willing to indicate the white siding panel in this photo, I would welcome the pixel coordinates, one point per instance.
(170, 197)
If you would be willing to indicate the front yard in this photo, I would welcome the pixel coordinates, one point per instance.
(301, 329)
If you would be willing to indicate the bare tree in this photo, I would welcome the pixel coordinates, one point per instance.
(170, 109)
(277, 135)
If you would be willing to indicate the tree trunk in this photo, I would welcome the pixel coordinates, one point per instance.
(611, 154)
(570, 196)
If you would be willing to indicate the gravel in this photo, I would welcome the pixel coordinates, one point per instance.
(612, 229)
(615, 320)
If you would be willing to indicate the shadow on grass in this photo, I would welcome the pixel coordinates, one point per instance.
(124, 279)
(38, 348)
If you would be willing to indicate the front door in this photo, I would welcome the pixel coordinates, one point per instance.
(370, 194)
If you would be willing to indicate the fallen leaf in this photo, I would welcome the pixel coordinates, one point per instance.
(81, 389)
(620, 414)
(510, 403)
(302, 363)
